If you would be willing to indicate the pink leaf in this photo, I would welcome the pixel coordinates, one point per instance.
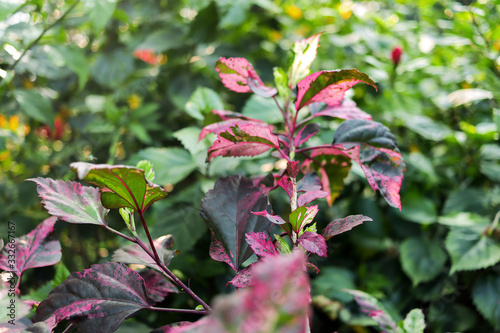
(312, 266)
(346, 110)
(261, 244)
(310, 196)
(328, 86)
(244, 278)
(157, 286)
(287, 185)
(226, 125)
(339, 226)
(305, 134)
(219, 253)
(244, 140)
(32, 250)
(314, 243)
(276, 219)
(260, 89)
(234, 73)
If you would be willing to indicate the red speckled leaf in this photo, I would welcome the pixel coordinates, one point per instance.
(32, 250)
(306, 133)
(70, 201)
(244, 278)
(227, 210)
(276, 219)
(286, 183)
(244, 140)
(134, 254)
(234, 73)
(261, 244)
(97, 299)
(346, 110)
(328, 86)
(339, 226)
(314, 243)
(292, 168)
(121, 185)
(226, 125)
(157, 286)
(219, 253)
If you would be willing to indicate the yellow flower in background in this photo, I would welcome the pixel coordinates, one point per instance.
(294, 12)
(345, 9)
(3, 121)
(134, 101)
(13, 123)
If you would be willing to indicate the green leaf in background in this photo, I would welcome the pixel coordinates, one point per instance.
(265, 109)
(331, 283)
(171, 164)
(414, 321)
(418, 208)
(74, 58)
(121, 185)
(469, 249)
(490, 161)
(111, 69)
(486, 296)
(422, 259)
(202, 101)
(7, 7)
(428, 128)
(60, 275)
(463, 219)
(35, 106)
(100, 12)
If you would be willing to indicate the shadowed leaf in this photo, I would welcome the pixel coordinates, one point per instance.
(339, 226)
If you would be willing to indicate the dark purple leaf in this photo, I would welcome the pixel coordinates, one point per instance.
(306, 133)
(70, 201)
(157, 286)
(261, 244)
(328, 86)
(227, 210)
(333, 165)
(372, 307)
(276, 219)
(226, 125)
(310, 182)
(339, 226)
(260, 89)
(121, 185)
(32, 250)
(286, 183)
(314, 243)
(244, 140)
(97, 299)
(365, 131)
(346, 110)
(134, 254)
(292, 168)
(310, 196)
(234, 73)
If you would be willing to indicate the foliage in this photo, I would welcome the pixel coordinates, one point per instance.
(117, 82)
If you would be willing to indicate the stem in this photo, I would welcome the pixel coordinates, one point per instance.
(202, 312)
(151, 243)
(116, 232)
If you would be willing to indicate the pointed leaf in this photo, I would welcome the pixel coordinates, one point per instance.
(261, 244)
(121, 185)
(157, 286)
(227, 210)
(202, 101)
(97, 299)
(328, 86)
(260, 89)
(286, 183)
(134, 254)
(244, 140)
(71, 202)
(366, 131)
(374, 309)
(339, 226)
(276, 219)
(470, 250)
(32, 250)
(306, 133)
(346, 110)
(226, 125)
(218, 252)
(302, 216)
(310, 182)
(304, 54)
(422, 259)
(310, 196)
(414, 321)
(35, 105)
(314, 243)
(485, 294)
(234, 73)
(244, 278)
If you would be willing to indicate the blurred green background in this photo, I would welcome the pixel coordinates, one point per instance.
(118, 81)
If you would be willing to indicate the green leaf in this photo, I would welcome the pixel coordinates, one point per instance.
(7, 7)
(100, 12)
(62, 272)
(35, 105)
(485, 294)
(422, 259)
(418, 208)
(171, 164)
(281, 82)
(265, 109)
(469, 249)
(147, 166)
(112, 69)
(414, 321)
(74, 58)
(188, 136)
(282, 245)
(202, 101)
(121, 185)
(302, 216)
(331, 283)
(463, 219)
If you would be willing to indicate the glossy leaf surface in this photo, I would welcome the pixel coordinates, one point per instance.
(121, 186)
(71, 202)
